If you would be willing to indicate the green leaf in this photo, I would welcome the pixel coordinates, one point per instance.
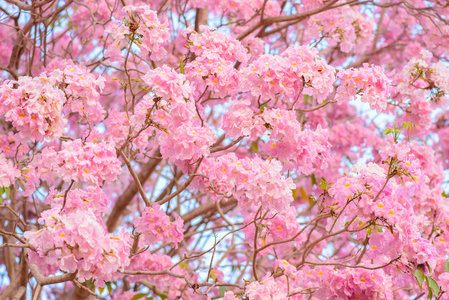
(262, 108)
(432, 285)
(369, 231)
(8, 191)
(311, 200)
(182, 65)
(446, 266)
(222, 291)
(295, 193)
(419, 275)
(429, 268)
(323, 184)
(163, 296)
(313, 179)
(254, 146)
(109, 286)
(100, 289)
(138, 296)
(184, 265)
(303, 193)
(2, 190)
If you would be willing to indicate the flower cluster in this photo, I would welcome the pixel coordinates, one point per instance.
(370, 83)
(72, 241)
(274, 228)
(440, 76)
(372, 199)
(117, 126)
(215, 55)
(8, 174)
(181, 135)
(11, 147)
(268, 288)
(80, 88)
(157, 262)
(89, 162)
(34, 107)
(296, 69)
(144, 29)
(241, 120)
(93, 199)
(252, 181)
(304, 150)
(155, 226)
(211, 40)
(239, 9)
(167, 84)
(345, 27)
(420, 75)
(350, 283)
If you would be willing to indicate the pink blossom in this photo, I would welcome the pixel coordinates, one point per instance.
(155, 227)
(168, 84)
(345, 27)
(8, 173)
(266, 289)
(352, 283)
(34, 107)
(241, 120)
(370, 83)
(296, 148)
(151, 34)
(89, 162)
(72, 241)
(80, 87)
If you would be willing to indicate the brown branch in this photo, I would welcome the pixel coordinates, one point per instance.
(297, 17)
(136, 178)
(129, 193)
(206, 207)
(44, 280)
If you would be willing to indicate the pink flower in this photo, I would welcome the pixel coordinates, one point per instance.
(80, 87)
(89, 162)
(94, 199)
(443, 281)
(229, 296)
(345, 27)
(369, 82)
(213, 67)
(34, 107)
(301, 149)
(252, 181)
(157, 262)
(241, 120)
(155, 227)
(210, 40)
(168, 84)
(8, 173)
(286, 74)
(352, 283)
(73, 241)
(266, 289)
(284, 265)
(151, 34)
